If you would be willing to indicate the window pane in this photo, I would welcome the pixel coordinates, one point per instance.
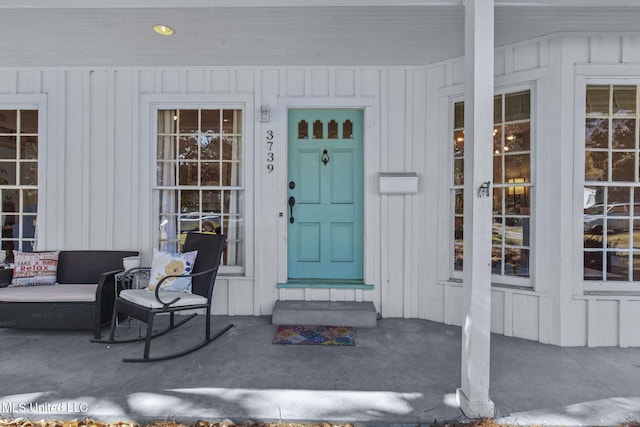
(209, 173)
(516, 262)
(347, 129)
(624, 133)
(459, 202)
(167, 121)
(303, 130)
(597, 133)
(458, 172)
(212, 201)
(317, 130)
(458, 255)
(7, 173)
(517, 137)
(617, 266)
(231, 121)
(210, 121)
(514, 231)
(29, 148)
(497, 169)
(458, 143)
(28, 173)
(496, 260)
(517, 106)
(624, 100)
(517, 166)
(593, 265)
(458, 115)
(332, 132)
(231, 148)
(188, 173)
(497, 201)
(497, 140)
(8, 149)
(618, 195)
(166, 147)
(497, 109)
(188, 121)
(209, 147)
(636, 266)
(598, 99)
(8, 121)
(458, 231)
(496, 231)
(623, 166)
(596, 166)
(187, 148)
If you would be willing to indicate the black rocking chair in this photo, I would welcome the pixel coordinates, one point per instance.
(143, 305)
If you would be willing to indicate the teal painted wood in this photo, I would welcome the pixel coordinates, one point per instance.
(326, 239)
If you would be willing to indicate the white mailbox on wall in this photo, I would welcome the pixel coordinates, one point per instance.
(397, 182)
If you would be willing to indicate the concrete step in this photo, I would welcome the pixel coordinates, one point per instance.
(325, 313)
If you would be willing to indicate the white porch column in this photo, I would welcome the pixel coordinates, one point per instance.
(473, 395)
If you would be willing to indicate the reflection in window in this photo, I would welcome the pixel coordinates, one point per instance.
(611, 229)
(303, 129)
(332, 130)
(199, 161)
(317, 130)
(18, 179)
(347, 130)
(512, 184)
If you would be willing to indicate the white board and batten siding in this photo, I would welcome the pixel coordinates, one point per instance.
(97, 178)
(97, 175)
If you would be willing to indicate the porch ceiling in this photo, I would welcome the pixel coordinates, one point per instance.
(272, 36)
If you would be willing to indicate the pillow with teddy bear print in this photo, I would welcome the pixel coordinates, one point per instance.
(170, 264)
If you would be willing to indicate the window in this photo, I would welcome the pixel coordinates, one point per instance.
(612, 189)
(199, 164)
(18, 179)
(512, 185)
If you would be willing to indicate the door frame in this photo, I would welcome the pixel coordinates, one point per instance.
(371, 163)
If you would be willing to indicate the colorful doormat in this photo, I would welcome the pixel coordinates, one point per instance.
(315, 335)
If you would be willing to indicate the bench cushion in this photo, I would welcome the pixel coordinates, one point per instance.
(54, 293)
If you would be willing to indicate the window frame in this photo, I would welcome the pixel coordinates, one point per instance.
(496, 279)
(597, 75)
(246, 190)
(33, 102)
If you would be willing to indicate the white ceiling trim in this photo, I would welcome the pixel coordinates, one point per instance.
(168, 4)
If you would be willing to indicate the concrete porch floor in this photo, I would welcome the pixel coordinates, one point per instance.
(401, 372)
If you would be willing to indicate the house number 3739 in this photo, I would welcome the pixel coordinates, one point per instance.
(270, 154)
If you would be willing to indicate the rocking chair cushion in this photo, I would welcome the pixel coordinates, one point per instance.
(167, 264)
(148, 299)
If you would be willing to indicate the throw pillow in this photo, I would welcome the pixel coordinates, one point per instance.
(169, 264)
(34, 268)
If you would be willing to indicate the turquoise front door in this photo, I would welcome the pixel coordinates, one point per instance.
(325, 194)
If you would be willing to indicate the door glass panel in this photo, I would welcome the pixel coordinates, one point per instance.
(347, 129)
(303, 129)
(317, 130)
(332, 132)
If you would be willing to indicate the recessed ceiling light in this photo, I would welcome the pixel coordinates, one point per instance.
(163, 30)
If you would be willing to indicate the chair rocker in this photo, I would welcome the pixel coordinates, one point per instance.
(144, 305)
